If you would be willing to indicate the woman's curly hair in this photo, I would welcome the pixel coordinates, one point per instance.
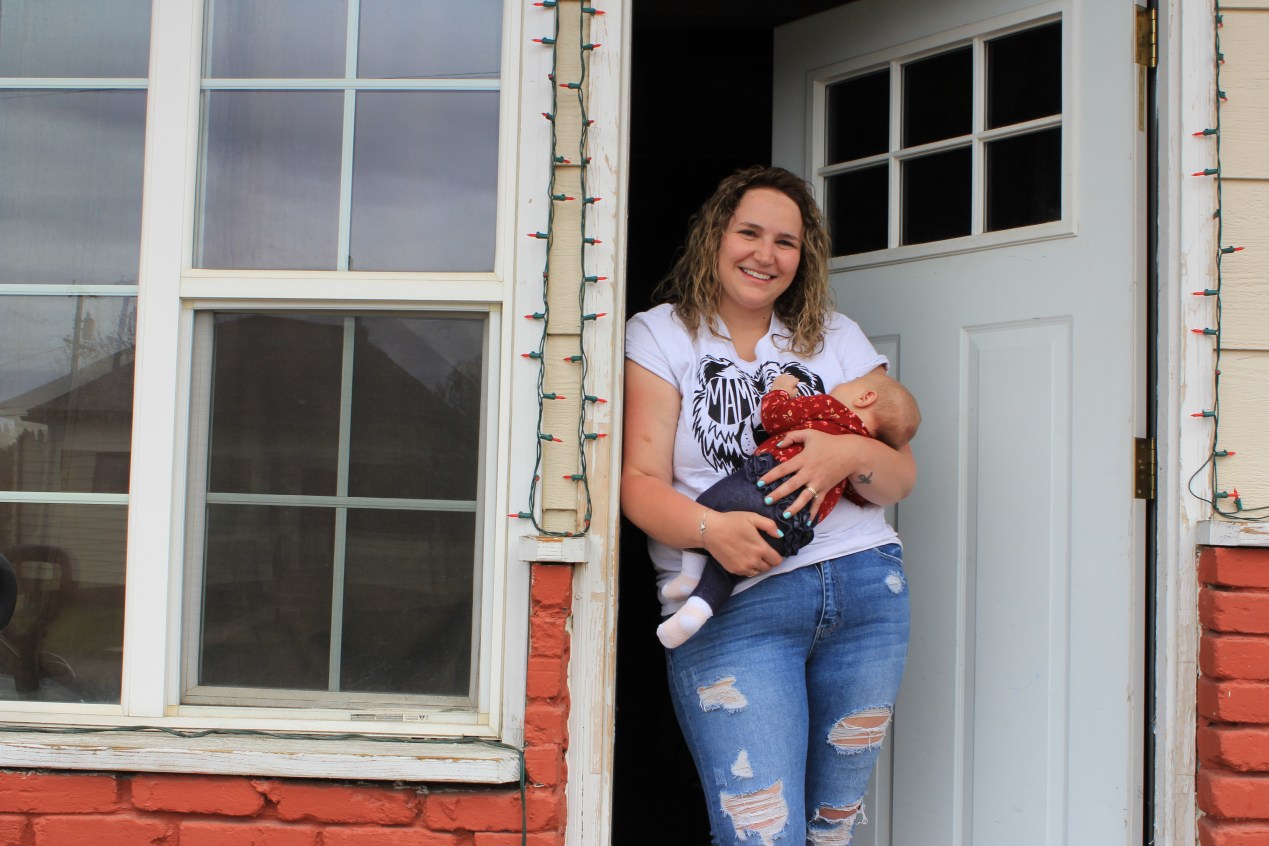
(693, 285)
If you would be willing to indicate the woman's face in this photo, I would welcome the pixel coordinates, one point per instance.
(760, 251)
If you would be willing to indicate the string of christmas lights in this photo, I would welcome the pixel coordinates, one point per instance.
(586, 400)
(1212, 463)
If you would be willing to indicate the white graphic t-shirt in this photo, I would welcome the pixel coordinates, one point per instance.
(720, 423)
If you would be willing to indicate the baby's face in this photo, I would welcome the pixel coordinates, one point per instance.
(848, 392)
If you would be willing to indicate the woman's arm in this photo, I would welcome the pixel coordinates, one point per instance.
(649, 499)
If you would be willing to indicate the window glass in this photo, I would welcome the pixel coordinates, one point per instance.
(66, 372)
(279, 39)
(399, 221)
(74, 38)
(938, 97)
(937, 201)
(70, 186)
(858, 117)
(65, 640)
(271, 180)
(1024, 76)
(340, 556)
(1024, 180)
(429, 38)
(858, 210)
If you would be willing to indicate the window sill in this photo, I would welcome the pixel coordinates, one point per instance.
(396, 760)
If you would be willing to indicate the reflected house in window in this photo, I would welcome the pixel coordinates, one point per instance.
(69, 437)
(339, 445)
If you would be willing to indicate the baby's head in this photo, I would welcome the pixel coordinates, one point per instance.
(886, 407)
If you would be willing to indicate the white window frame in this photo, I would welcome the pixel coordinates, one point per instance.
(974, 35)
(172, 291)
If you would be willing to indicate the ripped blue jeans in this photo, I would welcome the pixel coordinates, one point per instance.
(785, 697)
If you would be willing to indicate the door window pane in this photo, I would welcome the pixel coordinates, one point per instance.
(74, 38)
(858, 210)
(1024, 180)
(277, 39)
(271, 179)
(70, 186)
(858, 117)
(429, 38)
(65, 640)
(938, 97)
(425, 178)
(66, 373)
(416, 407)
(937, 202)
(1024, 76)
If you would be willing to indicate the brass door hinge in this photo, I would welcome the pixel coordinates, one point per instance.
(1147, 37)
(1144, 468)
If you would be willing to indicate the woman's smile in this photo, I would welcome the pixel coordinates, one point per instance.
(760, 252)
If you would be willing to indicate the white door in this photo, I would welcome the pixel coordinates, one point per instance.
(983, 163)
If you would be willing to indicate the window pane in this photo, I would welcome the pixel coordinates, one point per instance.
(416, 410)
(409, 586)
(1024, 76)
(69, 38)
(429, 38)
(65, 641)
(858, 209)
(276, 404)
(425, 179)
(66, 393)
(938, 97)
(1024, 180)
(266, 597)
(277, 38)
(70, 186)
(858, 117)
(936, 196)
(271, 180)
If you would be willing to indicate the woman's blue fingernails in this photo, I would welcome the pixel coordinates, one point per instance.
(787, 515)
(766, 500)
(761, 484)
(779, 533)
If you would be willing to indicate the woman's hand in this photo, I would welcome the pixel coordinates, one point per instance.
(879, 474)
(734, 538)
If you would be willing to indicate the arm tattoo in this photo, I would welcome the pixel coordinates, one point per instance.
(861, 479)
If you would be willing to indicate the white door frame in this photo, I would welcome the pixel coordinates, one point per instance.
(1187, 248)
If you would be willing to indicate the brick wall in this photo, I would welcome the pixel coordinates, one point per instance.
(123, 809)
(1233, 697)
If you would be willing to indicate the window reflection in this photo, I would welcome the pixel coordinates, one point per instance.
(70, 38)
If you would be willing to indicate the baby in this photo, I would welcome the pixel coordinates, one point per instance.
(874, 405)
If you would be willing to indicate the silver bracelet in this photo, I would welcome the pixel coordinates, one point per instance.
(703, 515)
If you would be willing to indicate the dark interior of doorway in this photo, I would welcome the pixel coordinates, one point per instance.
(700, 109)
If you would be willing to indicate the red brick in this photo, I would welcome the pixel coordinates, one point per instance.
(552, 586)
(342, 804)
(11, 830)
(1233, 795)
(1240, 748)
(545, 678)
(208, 833)
(1233, 700)
(1234, 566)
(1218, 832)
(1234, 610)
(544, 723)
(100, 831)
(1234, 656)
(375, 836)
(545, 765)
(541, 838)
(227, 797)
(38, 793)
(493, 811)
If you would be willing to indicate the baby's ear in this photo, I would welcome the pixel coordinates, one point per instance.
(866, 399)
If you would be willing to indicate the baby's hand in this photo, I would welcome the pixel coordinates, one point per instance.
(786, 382)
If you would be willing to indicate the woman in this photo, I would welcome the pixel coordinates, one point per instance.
(785, 696)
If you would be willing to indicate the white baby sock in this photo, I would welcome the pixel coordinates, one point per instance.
(684, 623)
